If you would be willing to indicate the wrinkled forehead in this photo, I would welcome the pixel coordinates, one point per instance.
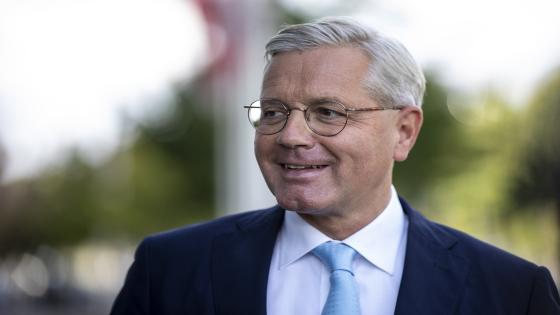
(316, 72)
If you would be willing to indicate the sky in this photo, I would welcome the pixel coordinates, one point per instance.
(506, 44)
(71, 69)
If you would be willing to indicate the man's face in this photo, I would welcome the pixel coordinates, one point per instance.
(352, 169)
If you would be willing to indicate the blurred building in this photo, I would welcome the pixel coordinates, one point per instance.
(238, 31)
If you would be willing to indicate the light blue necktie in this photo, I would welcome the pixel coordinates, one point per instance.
(343, 296)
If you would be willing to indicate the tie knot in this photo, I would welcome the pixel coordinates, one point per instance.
(336, 256)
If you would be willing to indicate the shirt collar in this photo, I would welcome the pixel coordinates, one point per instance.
(378, 242)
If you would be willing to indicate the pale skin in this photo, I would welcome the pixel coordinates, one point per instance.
(353, 183)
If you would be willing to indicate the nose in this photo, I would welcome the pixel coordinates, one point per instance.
(295, 133)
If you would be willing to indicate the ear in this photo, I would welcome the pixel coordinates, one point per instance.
(409, 122)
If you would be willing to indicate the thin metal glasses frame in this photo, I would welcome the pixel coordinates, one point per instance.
(288, 110)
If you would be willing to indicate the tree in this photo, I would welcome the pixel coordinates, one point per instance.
(441, 150)
(166, 175)
(163, 179)
(536, 184)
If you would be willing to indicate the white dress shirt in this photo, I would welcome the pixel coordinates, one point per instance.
(298, 283)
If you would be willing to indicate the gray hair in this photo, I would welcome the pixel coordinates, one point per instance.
(394, 78)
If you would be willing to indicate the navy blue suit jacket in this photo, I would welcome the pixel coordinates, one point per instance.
(221, 268)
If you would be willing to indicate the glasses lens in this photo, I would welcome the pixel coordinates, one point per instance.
(327, 118)
(267, 116)
(255, 114)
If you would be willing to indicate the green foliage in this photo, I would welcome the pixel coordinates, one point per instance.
(163, 179)
(535, 185)
(440, 151)
(169, 174)
(475, 196)
(55, 208)
(538, 178)
(460, 173)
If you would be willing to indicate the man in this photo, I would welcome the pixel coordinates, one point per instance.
(339, 105)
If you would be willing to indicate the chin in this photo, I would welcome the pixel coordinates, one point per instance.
(301, 205)
(302, 197)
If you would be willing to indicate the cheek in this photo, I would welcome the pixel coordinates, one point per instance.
(263, 148)
(370, 156)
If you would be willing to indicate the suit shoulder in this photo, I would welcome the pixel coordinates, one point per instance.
(461, 244)
(201, 233)
(484, 254)
(494, 272)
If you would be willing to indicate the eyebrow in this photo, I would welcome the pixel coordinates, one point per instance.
(310, 101)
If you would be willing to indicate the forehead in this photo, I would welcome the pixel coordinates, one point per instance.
(320, 72)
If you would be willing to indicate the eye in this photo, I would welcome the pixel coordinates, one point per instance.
(272, 111)
(328, 111)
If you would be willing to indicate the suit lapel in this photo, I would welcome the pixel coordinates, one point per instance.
(433, 276)
(241, 261)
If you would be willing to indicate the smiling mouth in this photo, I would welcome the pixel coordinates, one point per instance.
(301, 167)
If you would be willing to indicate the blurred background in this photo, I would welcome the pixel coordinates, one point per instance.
(122, 118)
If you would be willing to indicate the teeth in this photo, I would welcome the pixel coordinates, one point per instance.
(300, 167)
(294, 167)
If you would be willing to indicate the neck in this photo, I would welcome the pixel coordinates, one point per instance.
(341, 224)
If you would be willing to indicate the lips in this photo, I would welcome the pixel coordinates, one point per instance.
(301, 166)
(302, 171)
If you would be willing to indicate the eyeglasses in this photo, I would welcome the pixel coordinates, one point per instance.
(325, 118)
